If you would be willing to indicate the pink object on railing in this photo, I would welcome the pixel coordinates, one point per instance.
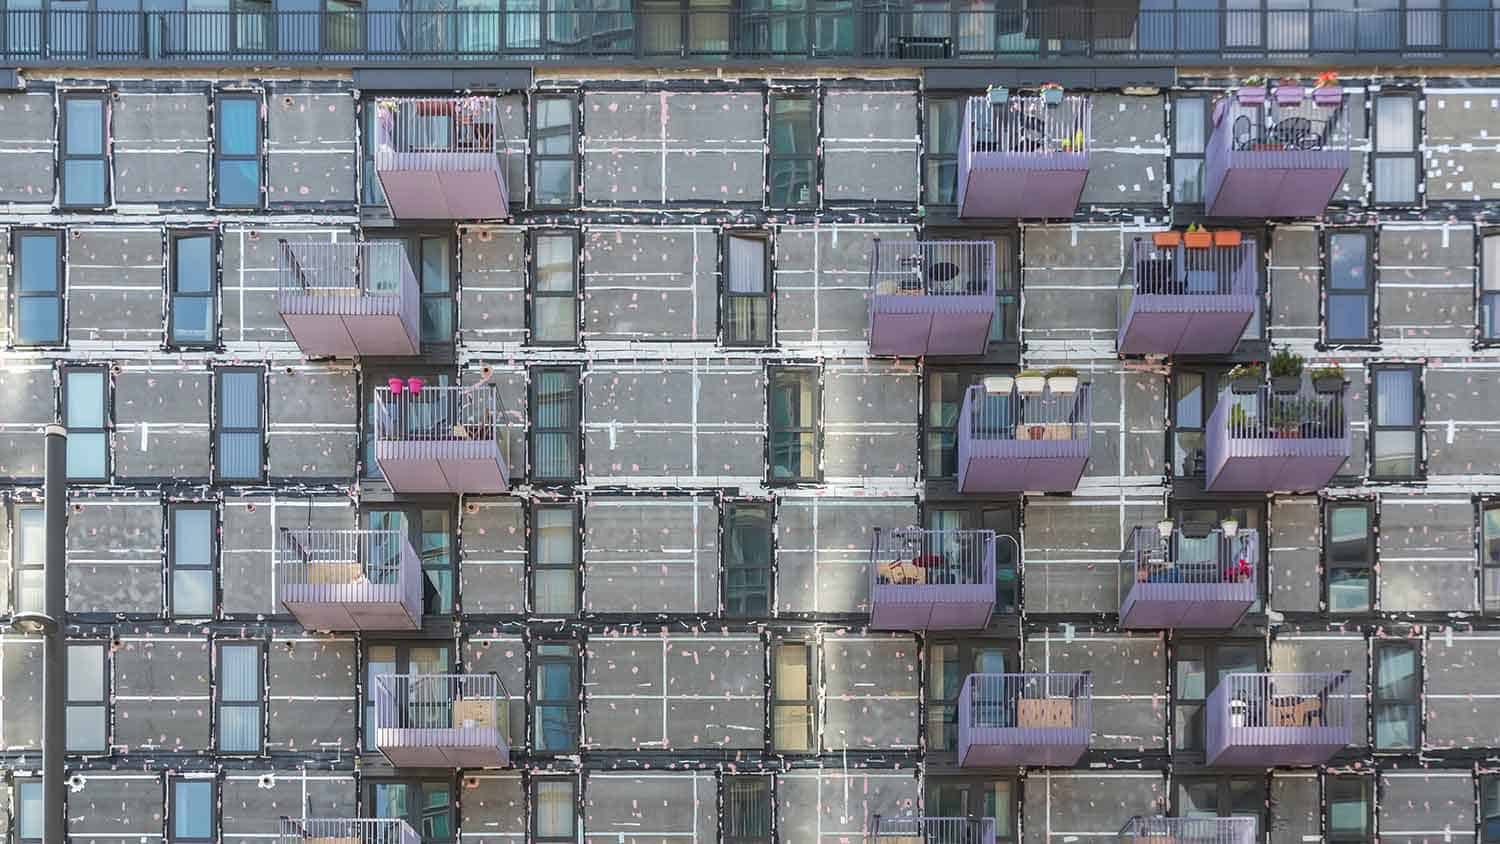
(414, 385)
(395, 384)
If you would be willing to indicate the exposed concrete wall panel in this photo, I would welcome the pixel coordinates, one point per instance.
(495, 809)
(1295, 554)
(1458, 412)
(312, 431)
(870, 420)
(1312, 653)
(21, 667)
(870, 693)
(110, 806)
(161, 423)
(870, 144)
(1460, 155)
(833, 807)
(506, 657)
(1462, 696)
(657, 283)
(254, 803)
(310, 148)
(823, 281)
(1426, 554)
(1296, 811)
(1127, 159)
(677, 808)
(1072, 552)
(115, 285)
(1294, 274)
(114, 556)
(311, 702)
(1426, 807)
(492, 570)
(26, 405)
(1070, 275)
(27, 143)
(655, 555)
(163, 699)
(823, 551)
(1063, 806)
(1426, 282)
(1129, 676)
(492, 301)
(161, 149)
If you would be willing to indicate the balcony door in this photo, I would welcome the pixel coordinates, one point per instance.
(951, 797)
(1196, 541)
(1199, 668)
(426, 805)
(430, 531)
(1001, 517)
(407, 413)
(948, 663)
(421, 704)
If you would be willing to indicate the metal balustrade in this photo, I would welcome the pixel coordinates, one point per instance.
(1024, 157)
(1161, 830)
(438, 158)
(442, 439)
(1024, 719)
(347, 831)
(1269, 719)
(1266, 441)
(1184, 300)
(349, 579)
(932, 579)
(442, 720)
(1017, 442)
(347, 298)
(1188, 582)
(916, 829)
(931, 297)
(1270, 160)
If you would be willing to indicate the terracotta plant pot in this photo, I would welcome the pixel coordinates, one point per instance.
(1197, 240)
(1227, 237)
(415, 384)
(1036, 431)
(1166, 240)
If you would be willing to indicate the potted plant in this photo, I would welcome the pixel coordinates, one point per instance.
(1252, 91)
(998, 385)
(1036, 431)
(1241, 424)
(1326, 90)
(1052, 94)
(1286, 419)
(1286, 371)
(1246, 378)
(1030, 381)
(1167, 239)
(1328, 378)
(1197, 237)
(1289, 92)
(1062, 380)
(1227, 237)
(999, 95)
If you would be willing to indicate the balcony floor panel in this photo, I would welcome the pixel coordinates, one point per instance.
(1005, 747)
(1186, 606)
(1048, 467)
(1273, 746)
(913, 326)
(463, 190)
(1278, 465)
(343, 336)
(1185, 325)
(931, 607)
(341, 616)
(1260, 184)
(443, 467)
(1006, 185)
(439, 747)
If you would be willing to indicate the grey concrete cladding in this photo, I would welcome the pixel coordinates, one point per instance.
(673, 431)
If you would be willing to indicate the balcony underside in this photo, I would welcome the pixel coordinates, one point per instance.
(341, 326)
(932, 606)
(443, 185)
(1006, 747)
(913, 326)
(1192, 324)
(1022, 185)
(1186, 606)
(448, 467)
(1277, 465)
(443, 747)
(1262, 747)
(357, 606)
(1261, 184)
(1023, 466)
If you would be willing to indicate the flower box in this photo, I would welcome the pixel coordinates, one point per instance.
(1052, 96)
(1166, 240)
(1286, 383)
(1289, 95)
(1252, 95)
(1227, 237)
(1197, 240)
(1328, 96)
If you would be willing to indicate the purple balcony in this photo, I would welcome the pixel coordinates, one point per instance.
(934, 297)
(1006, 720)
(348, 299)
(1189, 301)
(1014, 442)
(1268, 720)
(932, 579)
(438, 158)
(346, 831)
(449, 440)
(349, 579)
(1159, 830)
(1023, 158)
(442, 720)
(1276, 442)
(917, 829)
(1187, 582)
(1269, 160)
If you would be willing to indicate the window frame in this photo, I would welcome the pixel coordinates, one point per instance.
(1372, 553)
(728, 336)
(571, 507)
(1210, 649)
(974, 786)
(773, 373)
(766, 570)
(1489, 787)
(412, 509)
(1486, 300)
(101, 704)
(211, 567)
(259, 704)
(942, 709)
(571, 431)
(106, 416)
(1414, 155)
(813, 160)
(1007, 319)
(808, 702)
(368, 113)
(174, 801)
(573, 156)
(1418, 426)
(219, 429)
(1489, 604)
(1369, 291)
(18, 565)
(1378, 701)
(727, 804)
(19, 795)
(416, 810)
(401, 663)
(1367, 795)
(1200, 157)
(974, 515)
(174, 237)
(933, 377)
(63, 156)
(259, 157)
(1224, 799)
(570, 707)
(931, 194)
(58, 291)
(534, 291)
(533, 817)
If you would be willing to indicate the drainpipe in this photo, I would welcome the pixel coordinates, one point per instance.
(54, 690)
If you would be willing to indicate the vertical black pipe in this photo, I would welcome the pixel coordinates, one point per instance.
(54, 734)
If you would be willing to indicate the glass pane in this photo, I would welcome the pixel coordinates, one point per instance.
(239, 120)
(192, 319)
(792, 667)
(31, 811)
(1236, 659)
(1491, 260)
(556, 591)
(1395, 454)
(1395, 403)
(239, 729)
(239, 183)
(391, 800)
(1188, 387)
(1396, 673)
(1189, 125)
(239, 456)
(1191, 677)
(999, 805)
(39, 263)
(792, 404)
(436, 274)
(1348, 317)
(944, 121)
(192, 592)
(1348, 814)
(555, 263)
(86, 455)
(554, 127)
(1347, 261)
(792, 126)
(747, 265)
(747, 808)
(437, 818)
(1198, 799)
(749, 537)
(39, 320)
(1187, 180)
(85, 400)
(239, 399)
(793, 727)
(193, 263)
(83, 182)
(1396, 180)
(1395, 726)
(554, 808)
(85, 673)
(1395, 124)
(84, 118)
(554, 320)
(1348, 530)
(239, 673)
(554, 182)
(1348, 590)
(85, 728)
(192, 809)
(31, 533)
(791, 182)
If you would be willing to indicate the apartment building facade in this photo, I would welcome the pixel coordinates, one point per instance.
(735, 423)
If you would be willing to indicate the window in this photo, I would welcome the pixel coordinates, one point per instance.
(191, 553)
(435, 280)
(747, 559)
(746, 810)
(418, 710)
(1190, 130)
(941, 133)
(38, 288)
(1348, 799)
(555, 545)
(30, 812)
(194, 321)
(1350, 289)
(1489, 809)
(554, 425)
(554, 155)
(1398, 705)
(1005, 327)
(192, 810)
(1396, 423)
(555, 811)
(794, 147)
(237, 151)
(945, 399)
(795, 408)
(1221, 797)
(1349, 556)
(792, 698)
(952, 797)
(85, 170)
(747, 296)
(948, 663)
(555, 713)
(1002, 518)
(419, 416)
(239, 698)
(426, 805)
(238, 431)
(29, 542)
(371, 191)
(1489, 287)
(554, 293)
(1489, 557)
(1192, 396)
(87, 696)
(430, 531)
(85, 409)
(1200, 667)
(1396, 126)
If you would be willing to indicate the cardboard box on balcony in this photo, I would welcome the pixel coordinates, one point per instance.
(474, 714)
(1051, 712)
(1295, 712)
(351, 839)
(334, 573)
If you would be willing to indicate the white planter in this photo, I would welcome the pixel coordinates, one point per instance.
(1030, 384)
(1063, 384)
(997, 385)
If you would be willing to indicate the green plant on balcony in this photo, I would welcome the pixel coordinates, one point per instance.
(1287, 416)
(1328, 378)
(1030, 381)
(1286, 371)
(1242, 424)
(1062, 380)
(1246, 378)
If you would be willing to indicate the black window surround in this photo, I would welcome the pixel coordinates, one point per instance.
(1347, 559)
(371, 194)
(438, 564)
(87, 413)
(748, 574)
(1396, 701)
(1394, 150)
(555, 130)
(1197, 666)
(970, 797)
(555, 424)
(246, 705)
(943, 114)
(555, 713)
(1389, 423)
(193, 285)
(37, 287)
(83, 148)
(552, 318)
(28, 555)
(88, 697)
(239, 440)
(1487, 302)
(1242, 795)
(191, 577)
(559, 826)
(28, 797)
(794, 171)
(1349, 284)
(1489, 809)
(794, 406)
(747, 314)
(423, 814)
(1192, 126)
(554, 582)
(187, 796)
(746, 803)
(1340, 792)
(1489, 558)
(969, 655)
(794, 711)
(237, 157)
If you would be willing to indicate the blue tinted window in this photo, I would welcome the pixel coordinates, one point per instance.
(192, 810)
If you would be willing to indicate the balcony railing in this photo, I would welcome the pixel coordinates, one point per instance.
(1014, 442)
(931, 297)
(348, 299)
(442, 720)
(442, 439)
(1188, 582)
(1275, 161)
(347, 831)
(1268, 442)
(1159, 830)
(1023, 157)
(438, 158)
(1024, 719)
(911, 829)
(349, 579)
(1188, 301)
(1098, 32)
(932, 579)
(1264, 720)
